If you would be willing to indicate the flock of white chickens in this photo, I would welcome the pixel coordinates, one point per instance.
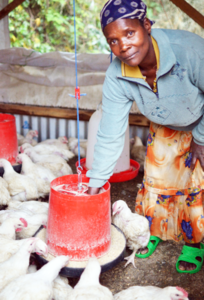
(41, 163)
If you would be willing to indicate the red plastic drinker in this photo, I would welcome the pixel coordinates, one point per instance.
(78, 225)
(8, 138)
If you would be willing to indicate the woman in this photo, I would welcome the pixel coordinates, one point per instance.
(163, 71)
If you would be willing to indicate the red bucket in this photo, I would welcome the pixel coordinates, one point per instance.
(8, 138)
(78, 226)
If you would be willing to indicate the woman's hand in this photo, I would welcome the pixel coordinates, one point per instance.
(93, 191)
(197, 153)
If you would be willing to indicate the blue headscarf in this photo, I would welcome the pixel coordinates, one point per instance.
(122, 9)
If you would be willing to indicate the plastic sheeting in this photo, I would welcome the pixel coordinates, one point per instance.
(32, 78)
(4, 30)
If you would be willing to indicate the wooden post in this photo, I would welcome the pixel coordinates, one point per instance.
(11, 6)
(190, 11)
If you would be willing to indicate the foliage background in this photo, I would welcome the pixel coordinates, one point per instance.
(47, 25)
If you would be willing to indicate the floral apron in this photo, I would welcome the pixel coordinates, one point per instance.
(171, 195)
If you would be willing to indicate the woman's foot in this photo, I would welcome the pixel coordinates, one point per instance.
(186, 266)
(145, 250)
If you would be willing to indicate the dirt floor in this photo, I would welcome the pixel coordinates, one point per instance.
(159, 269)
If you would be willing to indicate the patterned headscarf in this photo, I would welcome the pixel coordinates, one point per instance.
(122, 9)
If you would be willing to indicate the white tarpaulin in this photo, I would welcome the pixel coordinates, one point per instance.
(4, 29)
(32, 78)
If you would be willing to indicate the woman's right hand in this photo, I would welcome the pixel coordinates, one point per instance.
(93, 190)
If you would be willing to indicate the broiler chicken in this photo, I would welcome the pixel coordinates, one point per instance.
(152, 293)
(4, 194)
(10, 226)
(89, 287)
(38, 285)
(28, 138)
(16, 265)
(73, 146)
(41, 175)
(61, 289)
(138, 151)
(20, 187)
(9, 247)
(34, 221)
(56, 164)
(45, 149)
(134, 227)
(61, 141)
(35, 207)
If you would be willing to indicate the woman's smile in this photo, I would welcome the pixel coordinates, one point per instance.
(131, 56)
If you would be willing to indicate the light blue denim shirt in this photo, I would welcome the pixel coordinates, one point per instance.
(178, 103)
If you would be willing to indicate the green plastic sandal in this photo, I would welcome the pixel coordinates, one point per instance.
(151, 247)
(189, 254)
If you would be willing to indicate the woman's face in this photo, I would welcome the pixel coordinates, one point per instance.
(129, 40)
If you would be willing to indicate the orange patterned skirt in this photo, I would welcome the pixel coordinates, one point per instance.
(171, 196)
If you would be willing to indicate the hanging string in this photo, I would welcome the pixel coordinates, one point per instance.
(111, 57)
(77, 96)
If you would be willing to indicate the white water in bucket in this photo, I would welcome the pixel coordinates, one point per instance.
(123, 163)
(72, 189)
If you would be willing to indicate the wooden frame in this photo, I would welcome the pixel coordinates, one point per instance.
(11, 6)
(190, 11)
(63, 113)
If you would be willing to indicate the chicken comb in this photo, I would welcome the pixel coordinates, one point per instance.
(25, 223)
(182, 290)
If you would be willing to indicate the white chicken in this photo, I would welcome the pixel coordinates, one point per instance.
(33, 221)
(73, 146)
(134, 227)
(41, 175)
(61, 141)
(9, 247)
(89, 287)
(45, 149)
(61, 288)
(35, 207)
(56, 164)
(152, 293)
(138, 151)
(33, 225)
(10, 226)
(32, 268)
(28, 138)
(6, 214)
(16, 265)
(4, 195)
(20, 187)
(38, 285)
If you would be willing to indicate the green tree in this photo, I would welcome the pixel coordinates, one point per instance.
(48, 25)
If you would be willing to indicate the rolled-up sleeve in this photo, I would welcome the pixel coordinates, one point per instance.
(111, 132)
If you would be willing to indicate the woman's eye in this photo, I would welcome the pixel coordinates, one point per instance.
(130, 33)
(113, 42)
